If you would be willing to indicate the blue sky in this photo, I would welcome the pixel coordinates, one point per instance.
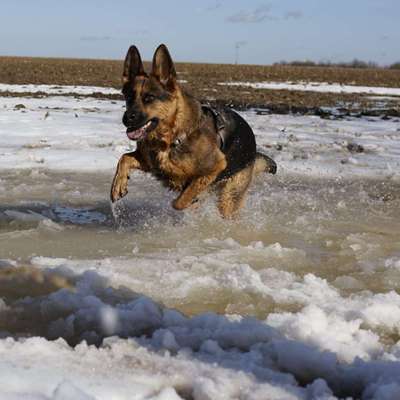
(204, 31)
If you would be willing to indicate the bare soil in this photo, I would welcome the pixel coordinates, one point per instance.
(202, 80)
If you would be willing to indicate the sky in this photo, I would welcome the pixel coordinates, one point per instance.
(216, 31)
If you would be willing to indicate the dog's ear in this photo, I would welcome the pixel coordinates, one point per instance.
(163, 67)
(133, 65)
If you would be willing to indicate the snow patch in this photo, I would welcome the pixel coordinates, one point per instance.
(322, 87)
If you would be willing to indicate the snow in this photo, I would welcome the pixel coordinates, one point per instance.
(321, 87)
(298, 300)
(57, 89)
(210, 356)
(62, 89)
(62, 133)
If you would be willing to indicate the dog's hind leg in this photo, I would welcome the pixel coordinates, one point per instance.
(233, 192)
(126, 163)
(264, 164)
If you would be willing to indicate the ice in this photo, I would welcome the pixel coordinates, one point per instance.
(29, 216)
(346, 314)
(328, 331)
(78, 215)
(393, 263)
(167, 394)
(209, 356)
(67, 391)
(298, 299)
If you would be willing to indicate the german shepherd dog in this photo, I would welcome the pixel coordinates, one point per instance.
(188, 147)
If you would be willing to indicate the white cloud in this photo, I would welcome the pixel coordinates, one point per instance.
(260, 14)
(94, 38)
(295, 14)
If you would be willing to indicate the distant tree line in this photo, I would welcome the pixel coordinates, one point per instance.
(356, 63)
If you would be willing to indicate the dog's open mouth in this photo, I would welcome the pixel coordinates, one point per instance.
(135, 133)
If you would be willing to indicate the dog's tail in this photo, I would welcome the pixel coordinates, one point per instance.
(264, 163)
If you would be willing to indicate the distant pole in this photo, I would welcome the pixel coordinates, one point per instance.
(238, 45)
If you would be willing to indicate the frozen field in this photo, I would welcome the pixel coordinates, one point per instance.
(297, 299)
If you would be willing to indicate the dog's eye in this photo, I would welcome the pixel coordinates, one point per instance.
(148, 98)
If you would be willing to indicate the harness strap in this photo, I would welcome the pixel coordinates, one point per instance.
(219, 123)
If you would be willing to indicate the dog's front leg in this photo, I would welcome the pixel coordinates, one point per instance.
(126, 163)
(188, 196)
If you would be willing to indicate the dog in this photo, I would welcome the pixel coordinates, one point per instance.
(188, 146)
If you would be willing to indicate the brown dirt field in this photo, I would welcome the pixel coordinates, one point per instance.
(202, 80)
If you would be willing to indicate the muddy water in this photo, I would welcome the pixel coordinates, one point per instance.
(346, 232)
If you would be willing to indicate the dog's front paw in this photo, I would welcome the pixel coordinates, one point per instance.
(179, 204)
(119, 187)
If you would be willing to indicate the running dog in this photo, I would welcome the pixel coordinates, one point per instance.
(188, 146)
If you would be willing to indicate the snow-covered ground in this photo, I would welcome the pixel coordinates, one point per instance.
(61, 89)
(298, 299)
(60, 133)
(57, 89)
(64, 133)
(324, 87)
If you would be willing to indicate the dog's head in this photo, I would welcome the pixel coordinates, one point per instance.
(151, 99)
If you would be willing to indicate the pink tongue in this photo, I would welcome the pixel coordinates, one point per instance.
(134, 135)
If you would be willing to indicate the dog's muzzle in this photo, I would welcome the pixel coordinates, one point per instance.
(139, 132)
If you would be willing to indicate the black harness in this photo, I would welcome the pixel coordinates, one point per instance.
(219, 123)
(236, 139)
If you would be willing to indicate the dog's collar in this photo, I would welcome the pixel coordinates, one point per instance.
(219, 125)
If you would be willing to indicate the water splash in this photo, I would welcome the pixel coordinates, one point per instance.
(120, 213)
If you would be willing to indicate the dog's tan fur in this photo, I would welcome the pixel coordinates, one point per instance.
(195, 165)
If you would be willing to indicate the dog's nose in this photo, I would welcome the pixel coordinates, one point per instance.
(129, 118)
(125, 119)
